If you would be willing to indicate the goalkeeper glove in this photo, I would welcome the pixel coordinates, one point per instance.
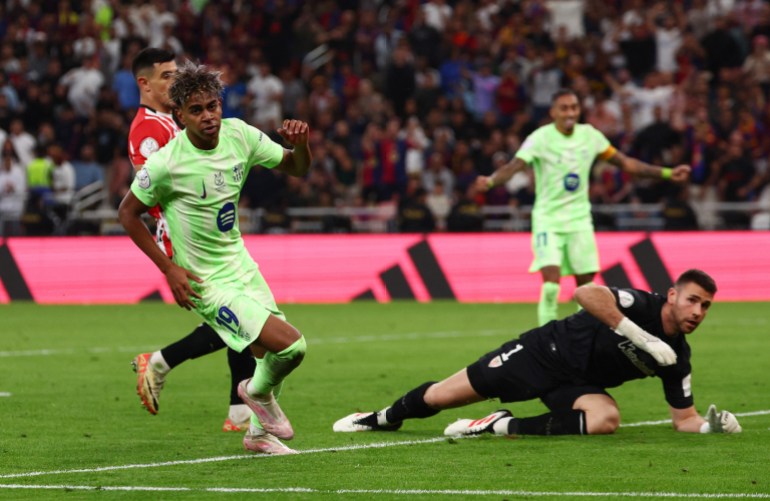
(720, 422)
(660, 351)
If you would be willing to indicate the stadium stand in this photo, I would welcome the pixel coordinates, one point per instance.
(399, 94)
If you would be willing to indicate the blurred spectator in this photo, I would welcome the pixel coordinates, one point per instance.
(722, 49)
(87, 169)
(439, 203)
(437, 14)
(678, 214)
(83, 84)
(547, 78)
(668, 28)
(757, 65)
(8, 90)
(400, 82)
(13, 191)
(235, 96)
(424, 39)
(466, 214)
(414, 216)
(124, 84)
(62, 179)
(510, 97)
(39, 181)
(23, 141)
(437, 172)
(736, 178)
(416, 143)
(485, 85)
(266, 90)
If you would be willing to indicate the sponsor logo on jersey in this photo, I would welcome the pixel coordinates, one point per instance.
(143, 179)
(629, 350)
(203, 183)
(571, 182)
(226, 217)
(626, 299)
(148, 146)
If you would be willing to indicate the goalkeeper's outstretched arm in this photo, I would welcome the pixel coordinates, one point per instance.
(688, 420)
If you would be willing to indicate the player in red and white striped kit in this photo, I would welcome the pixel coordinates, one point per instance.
(153, 127)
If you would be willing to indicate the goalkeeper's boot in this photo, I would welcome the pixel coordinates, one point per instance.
(469, 427)
(265, 443)
(365, 421)
(231, 425)
(268, 412)
(149, 382)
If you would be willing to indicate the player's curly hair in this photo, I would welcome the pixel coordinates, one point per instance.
(193, 79)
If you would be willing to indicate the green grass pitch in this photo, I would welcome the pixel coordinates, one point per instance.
(71, 426)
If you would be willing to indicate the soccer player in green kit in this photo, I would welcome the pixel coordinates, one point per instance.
(197, 179)
(562, 153)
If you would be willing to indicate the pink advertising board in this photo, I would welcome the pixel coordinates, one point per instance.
(489, 267)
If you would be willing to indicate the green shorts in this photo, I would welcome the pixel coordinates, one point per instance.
(238, 310)
(574, 252)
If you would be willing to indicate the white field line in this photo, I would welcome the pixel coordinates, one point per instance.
(365, 338)
(668, 421)
(5, 393)
(401, 492)
(376, 445)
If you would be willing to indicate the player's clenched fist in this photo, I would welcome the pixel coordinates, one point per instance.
(295, 132)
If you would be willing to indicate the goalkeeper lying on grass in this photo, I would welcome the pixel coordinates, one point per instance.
(621, 335)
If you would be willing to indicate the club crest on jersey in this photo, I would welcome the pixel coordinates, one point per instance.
(238, 173)
(496, 362)
(219, 181)
(148, 146)
(143, 179)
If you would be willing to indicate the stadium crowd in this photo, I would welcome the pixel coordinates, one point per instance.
(408, 100)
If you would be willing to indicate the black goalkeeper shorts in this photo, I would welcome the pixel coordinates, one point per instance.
(524, 369)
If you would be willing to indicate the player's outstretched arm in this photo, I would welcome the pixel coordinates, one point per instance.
(600, 302)
(635, 167)
(130, 216)
(688, 420)
(296, 162)
(501, 175)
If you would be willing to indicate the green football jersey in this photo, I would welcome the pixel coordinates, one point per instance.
(199, 192)
(562, 167)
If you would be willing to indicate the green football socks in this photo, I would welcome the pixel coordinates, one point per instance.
(272, 369)
(547, 308)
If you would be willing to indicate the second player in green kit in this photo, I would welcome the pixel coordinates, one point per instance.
(561, 155)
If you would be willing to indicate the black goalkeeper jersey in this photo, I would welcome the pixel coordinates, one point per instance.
(595, 354)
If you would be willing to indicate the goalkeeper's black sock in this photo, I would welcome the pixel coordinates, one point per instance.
(411, 405)
(202, 341)
(242, 367)
(567, 422)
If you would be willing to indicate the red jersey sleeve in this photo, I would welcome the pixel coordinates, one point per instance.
(145, 138)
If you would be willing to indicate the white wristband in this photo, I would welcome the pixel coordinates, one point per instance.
(705, 428)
